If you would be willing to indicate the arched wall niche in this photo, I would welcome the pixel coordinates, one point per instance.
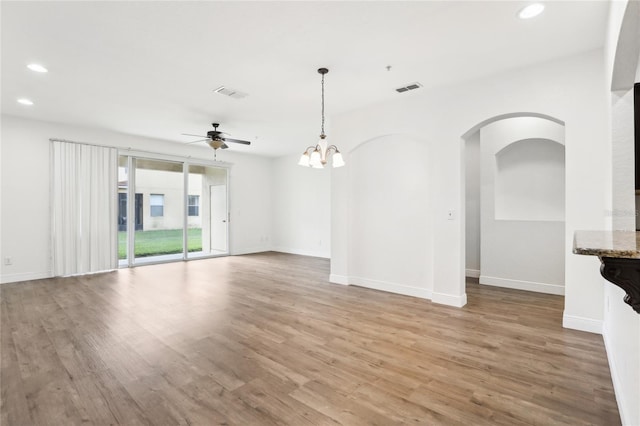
(529, 182)
(389, 215)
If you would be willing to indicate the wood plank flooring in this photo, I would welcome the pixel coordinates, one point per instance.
(265, 340)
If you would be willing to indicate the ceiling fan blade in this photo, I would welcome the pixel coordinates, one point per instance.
(201, 140)
(189, 134)
(237, 141)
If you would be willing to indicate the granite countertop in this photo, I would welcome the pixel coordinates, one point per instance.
(616, 244)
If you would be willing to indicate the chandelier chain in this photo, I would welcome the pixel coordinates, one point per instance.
(322, 129)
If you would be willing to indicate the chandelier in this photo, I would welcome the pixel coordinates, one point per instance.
(316, 156)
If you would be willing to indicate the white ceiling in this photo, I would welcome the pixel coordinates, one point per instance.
(150, 68)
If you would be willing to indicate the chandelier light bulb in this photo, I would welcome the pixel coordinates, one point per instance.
(316, 159)
(304, 159)
(338, 161)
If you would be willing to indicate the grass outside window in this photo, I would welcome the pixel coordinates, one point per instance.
(160, 241)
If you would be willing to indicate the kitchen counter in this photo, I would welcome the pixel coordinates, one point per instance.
(619, 252)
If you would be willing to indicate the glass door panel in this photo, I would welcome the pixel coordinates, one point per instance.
(123, 192)
(159, 211)
(207, 212)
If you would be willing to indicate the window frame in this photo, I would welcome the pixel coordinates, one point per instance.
(195, 206)
(160, 206)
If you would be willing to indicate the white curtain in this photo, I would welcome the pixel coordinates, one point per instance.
(84, 207)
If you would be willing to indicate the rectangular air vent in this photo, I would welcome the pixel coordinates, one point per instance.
(232, 93)
(408, 87)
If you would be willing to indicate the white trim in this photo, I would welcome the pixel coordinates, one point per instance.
(104, 271)
(404, 289)
(449, 299)
(303, 252)
(250, 250)
(338, 279)
(472, 273)
(523, 285)
(582, 324)
(615, 378)
(24, 276)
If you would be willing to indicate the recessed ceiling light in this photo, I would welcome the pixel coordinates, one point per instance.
(531, 11)
(37, 68)
(25, 101)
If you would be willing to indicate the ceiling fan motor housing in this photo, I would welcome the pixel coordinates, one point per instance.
(213, 134)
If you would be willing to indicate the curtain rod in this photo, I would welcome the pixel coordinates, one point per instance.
(188, 157)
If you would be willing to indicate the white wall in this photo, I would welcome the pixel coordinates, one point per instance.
(472, 205)
(302, 208)
(569, 90)
(623, 190)
(522, 207)
(389, 216)
(621, 329)
(25, 217)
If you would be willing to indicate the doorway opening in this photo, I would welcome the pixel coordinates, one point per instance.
(514, 191)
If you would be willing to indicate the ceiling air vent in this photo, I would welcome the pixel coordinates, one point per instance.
(408, 87)
(232, 93)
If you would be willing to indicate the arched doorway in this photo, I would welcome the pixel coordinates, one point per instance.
(514, 202)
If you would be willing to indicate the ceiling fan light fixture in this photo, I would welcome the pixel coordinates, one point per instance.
(316, 156)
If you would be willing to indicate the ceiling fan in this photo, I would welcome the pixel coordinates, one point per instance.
(216, 139)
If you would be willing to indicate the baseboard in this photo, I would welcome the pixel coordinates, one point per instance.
(339, 279)
(449, 299)
(25, 276)
(406, 290)
(472, 273)
(523, 285)
(249, 250)
(582, 324)
(615, 378)
(303, 252)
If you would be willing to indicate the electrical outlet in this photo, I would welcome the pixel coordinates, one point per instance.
(8, 261)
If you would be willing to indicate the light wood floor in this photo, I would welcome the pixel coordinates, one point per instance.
(263, 339)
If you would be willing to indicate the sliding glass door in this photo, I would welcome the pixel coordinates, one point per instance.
(170, 210)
